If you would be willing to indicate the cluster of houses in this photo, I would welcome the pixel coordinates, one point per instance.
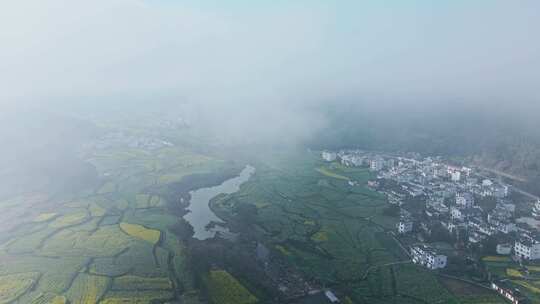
(448, 197)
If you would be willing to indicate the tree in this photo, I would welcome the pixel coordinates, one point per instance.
(182, 229)
(246, 214)
(392, 210)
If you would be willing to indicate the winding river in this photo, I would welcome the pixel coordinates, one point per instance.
(200, 214)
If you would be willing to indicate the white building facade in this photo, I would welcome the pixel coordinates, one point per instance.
(405, 226)
(527, 249)
(464, 200)
(329, 156)
(427, 257)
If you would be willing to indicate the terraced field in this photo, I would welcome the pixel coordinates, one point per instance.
(115, 243)
(110, 245)
(12, 286)
(138, 231)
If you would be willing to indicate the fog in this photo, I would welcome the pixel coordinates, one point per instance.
(201, 151)
(270, 69)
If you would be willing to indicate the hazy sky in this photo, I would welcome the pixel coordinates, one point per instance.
(271, 58)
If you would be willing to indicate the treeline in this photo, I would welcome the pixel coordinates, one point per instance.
(497, 140)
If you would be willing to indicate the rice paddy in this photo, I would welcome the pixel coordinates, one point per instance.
(12, 286)
(141, 232)
(225, 289)
(44, 217)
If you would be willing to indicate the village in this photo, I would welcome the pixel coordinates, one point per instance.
(463, 206)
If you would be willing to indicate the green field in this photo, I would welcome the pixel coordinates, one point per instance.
(108, 245)
(502, 267)
(114, 243)
(337, 233)
(329, 229)
(141, 232)
(223, 288)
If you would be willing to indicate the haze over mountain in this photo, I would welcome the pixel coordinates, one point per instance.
(270, 72)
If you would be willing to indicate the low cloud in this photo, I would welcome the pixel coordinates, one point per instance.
(261, 69)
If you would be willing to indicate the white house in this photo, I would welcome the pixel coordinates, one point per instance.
(331, 296)
(509, 293)
(504, 249)
(329, 156)
(455, 176)
(427, 257)
(476, 237)
(487, 183)
(506, 227)
(527, 248)
(448, 225)
(464, 200)
(536, 210)
(500, 191)
(352, 160)
(376, 164)
(405, 225)
(457, 214)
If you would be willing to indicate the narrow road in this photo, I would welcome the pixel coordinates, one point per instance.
(501, 173)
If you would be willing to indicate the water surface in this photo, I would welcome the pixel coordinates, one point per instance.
(200, 214)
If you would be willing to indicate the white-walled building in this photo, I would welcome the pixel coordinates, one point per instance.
(487, 183)
(527, 248)
(331, 296)
(427, 257)
(455, 176)
(352, 160)
(513, 295)
(405, 225)
(536, 210)
(329, 156)
(457, 214)
(376, 164)
(501, 191)
(464, 200)
(504, 249)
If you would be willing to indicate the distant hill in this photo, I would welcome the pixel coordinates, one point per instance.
(499, 141)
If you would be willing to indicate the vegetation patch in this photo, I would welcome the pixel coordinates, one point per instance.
(137, 297)
(49, 298)
(106, 241)
(141, 232)
(44, 217)
(28, 243)
(320, 236)
(69, 220)
(529, 286)
(144, 201)
(283, 250)
(87, 289)
(131, 282)
(96, 210)
(329, 173)
(109, 267)
(108, 187)
(12, 286)
(512, 272)
(225, 289)
(139, 259)
(496, 258)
